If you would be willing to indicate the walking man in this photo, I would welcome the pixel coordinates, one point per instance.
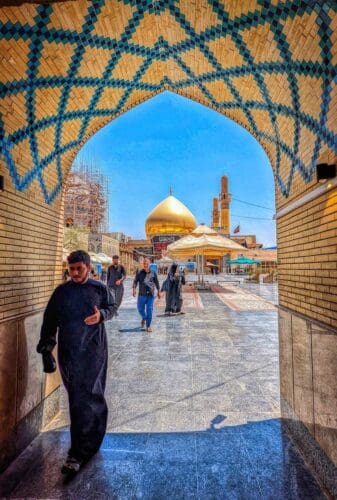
(77, 309)
(148, 283)
(115, 279)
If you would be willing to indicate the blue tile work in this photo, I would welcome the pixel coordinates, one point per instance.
(262, 12)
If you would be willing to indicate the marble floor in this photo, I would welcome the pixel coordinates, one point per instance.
(193, 410)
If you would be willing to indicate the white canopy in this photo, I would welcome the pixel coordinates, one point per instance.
(105, 259)
(204, 244)
(203, 229)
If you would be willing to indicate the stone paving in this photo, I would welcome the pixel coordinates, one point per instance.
(193, 412)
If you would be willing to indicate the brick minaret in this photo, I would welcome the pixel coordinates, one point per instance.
(215, 214)
(225, 199)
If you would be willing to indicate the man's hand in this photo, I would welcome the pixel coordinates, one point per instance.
(94, 318)
(159, 295)
(118, 282)
(134, 292)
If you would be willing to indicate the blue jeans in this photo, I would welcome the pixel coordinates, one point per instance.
(145, 307)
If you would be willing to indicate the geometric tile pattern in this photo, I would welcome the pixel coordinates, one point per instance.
(68, 68)
(241, 300)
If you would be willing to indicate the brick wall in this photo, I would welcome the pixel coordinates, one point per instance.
(307, 255)
(31, 237)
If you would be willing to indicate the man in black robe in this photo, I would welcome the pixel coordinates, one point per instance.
(77, 309)
(173, 287)
(115, 280)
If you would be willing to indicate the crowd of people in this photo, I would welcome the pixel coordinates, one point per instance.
(74, 319)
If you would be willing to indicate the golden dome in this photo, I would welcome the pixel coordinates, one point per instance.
(170, 217)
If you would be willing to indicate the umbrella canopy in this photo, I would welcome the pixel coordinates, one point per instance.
(165, 260)
(203, 229)
(105, 259)
(244, 260)
(95, 258)
(204, 244)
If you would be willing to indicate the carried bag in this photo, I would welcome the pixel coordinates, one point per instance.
(165, 285)
(150, 286)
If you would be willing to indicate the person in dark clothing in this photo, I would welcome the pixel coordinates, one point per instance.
(77, 309)
(115, 279)
(104, 275)
(173, 286)
(148, 283)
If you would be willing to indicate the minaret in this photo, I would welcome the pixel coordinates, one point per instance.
(225, 199)
(215, 214)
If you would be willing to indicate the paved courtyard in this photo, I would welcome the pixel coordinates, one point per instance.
(193, 410)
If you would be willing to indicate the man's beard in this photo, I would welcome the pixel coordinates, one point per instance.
(83, 281)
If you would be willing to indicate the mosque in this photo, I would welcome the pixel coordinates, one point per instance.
(171, 219)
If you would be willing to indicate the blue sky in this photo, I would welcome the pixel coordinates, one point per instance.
(170, 140)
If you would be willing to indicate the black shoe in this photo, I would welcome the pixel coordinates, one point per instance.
(71, 466)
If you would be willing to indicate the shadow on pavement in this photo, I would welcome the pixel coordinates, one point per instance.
(247, 461)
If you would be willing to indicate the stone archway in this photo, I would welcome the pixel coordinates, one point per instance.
(68, 68)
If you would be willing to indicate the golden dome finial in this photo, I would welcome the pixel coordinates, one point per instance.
(170, 191)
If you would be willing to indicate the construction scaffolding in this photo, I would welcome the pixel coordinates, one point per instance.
(86, 198)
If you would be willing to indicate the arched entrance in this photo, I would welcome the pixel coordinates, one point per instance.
(68, 68)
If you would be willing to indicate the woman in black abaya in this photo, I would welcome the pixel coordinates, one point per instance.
(173, 288)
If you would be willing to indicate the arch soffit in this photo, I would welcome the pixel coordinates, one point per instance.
(69, 68)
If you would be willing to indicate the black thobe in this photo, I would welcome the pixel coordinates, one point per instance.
(116, 273)
(82, 356)
(174, 300)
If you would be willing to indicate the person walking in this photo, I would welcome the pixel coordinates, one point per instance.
(173, 287)
(104, 275)
(115, 279)
(148, 283)
(77, 310)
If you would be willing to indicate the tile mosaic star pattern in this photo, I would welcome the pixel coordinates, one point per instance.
(68, 68)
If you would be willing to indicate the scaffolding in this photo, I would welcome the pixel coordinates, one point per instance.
(86, 198)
